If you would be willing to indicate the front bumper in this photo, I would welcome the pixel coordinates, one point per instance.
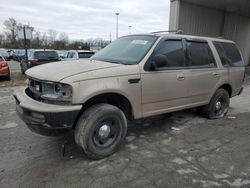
(45, 119)
(4, 71)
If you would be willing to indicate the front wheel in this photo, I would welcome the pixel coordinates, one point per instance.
(100, 130)
(218, 106)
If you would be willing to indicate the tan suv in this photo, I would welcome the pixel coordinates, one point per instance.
(134, 77)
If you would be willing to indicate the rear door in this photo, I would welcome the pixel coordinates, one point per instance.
(203, 75)
(231, 59)
(165, 89)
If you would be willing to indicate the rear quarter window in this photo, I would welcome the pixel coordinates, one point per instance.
(85, 54)
(46, 55)
(229, 54)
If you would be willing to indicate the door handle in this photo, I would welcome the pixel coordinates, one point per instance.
(180, 77)
(215, 74)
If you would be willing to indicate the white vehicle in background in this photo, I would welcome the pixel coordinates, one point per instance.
(4, 53)
(79, 54)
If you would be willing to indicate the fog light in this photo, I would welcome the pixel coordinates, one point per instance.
(38, 116)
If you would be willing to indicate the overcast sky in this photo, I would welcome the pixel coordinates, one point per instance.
(82, 19)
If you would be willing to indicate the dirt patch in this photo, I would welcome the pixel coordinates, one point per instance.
(17, 79)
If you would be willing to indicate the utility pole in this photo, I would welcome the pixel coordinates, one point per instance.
(117, 14)
(110, 37)
(25, 45)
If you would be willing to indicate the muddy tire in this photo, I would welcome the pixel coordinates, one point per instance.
(218, 105)
(8, 78)
(100, 130)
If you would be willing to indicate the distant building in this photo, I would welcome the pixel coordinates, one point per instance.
(229, 19)
(95, 48)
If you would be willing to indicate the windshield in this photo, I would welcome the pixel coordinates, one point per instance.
(126, 50)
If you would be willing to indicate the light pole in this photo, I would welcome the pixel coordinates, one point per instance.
(117, 14)
(129, 27)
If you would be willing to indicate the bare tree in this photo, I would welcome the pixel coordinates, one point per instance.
(1, 40)
(44, 39)
(11, 27)
(64, 37)
(52, 35)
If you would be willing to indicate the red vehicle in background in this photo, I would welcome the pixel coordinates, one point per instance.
(4, 68)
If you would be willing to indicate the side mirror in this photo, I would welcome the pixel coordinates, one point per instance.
(159, 61)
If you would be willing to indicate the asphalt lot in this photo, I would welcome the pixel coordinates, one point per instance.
(176, 150)
(14, 66)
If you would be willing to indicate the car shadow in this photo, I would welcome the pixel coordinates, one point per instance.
(146, 127)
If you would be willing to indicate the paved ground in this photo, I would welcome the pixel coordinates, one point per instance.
(14, 66)
(178, 150)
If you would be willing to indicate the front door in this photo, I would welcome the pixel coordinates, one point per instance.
(165, 89)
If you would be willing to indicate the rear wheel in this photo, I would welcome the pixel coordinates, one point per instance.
(100, 130)
(218, 106)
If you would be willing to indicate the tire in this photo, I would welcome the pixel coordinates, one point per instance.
(218, 105)
(8, 78)
(100, 130)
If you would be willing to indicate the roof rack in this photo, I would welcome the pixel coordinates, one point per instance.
(170, 31)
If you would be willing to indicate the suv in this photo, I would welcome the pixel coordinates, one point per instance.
(79, 54)
(38, 57)
(134, 77)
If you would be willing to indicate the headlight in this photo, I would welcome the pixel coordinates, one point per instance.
(56, 92)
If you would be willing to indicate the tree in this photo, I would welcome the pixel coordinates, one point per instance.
(1, 40)
(44, 40)
(36, 42)
(64, 37)
(52, 36)
(11, 27)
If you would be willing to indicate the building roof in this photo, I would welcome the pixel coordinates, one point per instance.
(241, 7)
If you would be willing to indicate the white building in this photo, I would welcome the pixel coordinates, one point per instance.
(229, 19)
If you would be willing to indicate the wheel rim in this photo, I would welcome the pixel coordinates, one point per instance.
(106, 132)
(221, 106)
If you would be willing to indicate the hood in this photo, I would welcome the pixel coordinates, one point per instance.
(58, 71)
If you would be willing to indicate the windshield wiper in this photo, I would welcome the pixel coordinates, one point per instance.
(117, 62)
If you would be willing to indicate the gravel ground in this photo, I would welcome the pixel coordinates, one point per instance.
(176, 150)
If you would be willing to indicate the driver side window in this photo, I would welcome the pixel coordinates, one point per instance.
(174, 53)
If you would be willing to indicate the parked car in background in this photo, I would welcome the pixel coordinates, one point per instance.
(39, 57)
(134, 77)
(11, 54)
(4, 53)
(4, 68)
(79, 54)
(62, 53)
(19, 55)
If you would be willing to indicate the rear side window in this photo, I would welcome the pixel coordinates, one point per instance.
(200, 54)
(46, 55)
(85, 54)
(173, 50)
(70, 54)
(229, 54)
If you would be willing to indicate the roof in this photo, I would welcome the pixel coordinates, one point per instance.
(80, 51)
(174, 35)
(40, 50)
(240, 7)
